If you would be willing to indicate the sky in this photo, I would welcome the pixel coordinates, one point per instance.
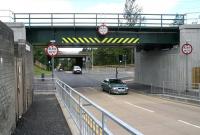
(99, 6)
(106, 6)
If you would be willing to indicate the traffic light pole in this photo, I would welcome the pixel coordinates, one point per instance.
(116, 73)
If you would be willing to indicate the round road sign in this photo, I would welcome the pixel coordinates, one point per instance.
(52, 50)
(103, 29)
(187, 49)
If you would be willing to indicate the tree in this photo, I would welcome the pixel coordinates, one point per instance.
(40, 55)
(179, 20)
(110, 56)
(132, 12)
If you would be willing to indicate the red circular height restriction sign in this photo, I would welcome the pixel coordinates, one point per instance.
(103, 29)
(52, 50)
(187, 49)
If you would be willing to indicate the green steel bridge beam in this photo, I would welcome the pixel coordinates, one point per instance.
(89, 37)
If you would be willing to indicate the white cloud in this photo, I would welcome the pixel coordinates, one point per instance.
(157, 6)
(106, 8)
(37, 5)
(112, 6)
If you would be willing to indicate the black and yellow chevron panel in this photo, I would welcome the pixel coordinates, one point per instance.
(91, 40)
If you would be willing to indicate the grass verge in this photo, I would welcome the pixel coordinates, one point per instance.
(38, 71)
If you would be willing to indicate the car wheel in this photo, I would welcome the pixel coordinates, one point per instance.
(109, 91)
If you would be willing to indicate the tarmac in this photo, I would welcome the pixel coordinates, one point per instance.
(44, 117)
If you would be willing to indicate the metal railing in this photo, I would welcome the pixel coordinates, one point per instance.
(189, 91)
(96, 19)
(90, 118)
(192, 18)
(6, 16)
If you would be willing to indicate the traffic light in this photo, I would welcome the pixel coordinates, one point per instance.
(49, 58)
(120, 58)
(124, 57)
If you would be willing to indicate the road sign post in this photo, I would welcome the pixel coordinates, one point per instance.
(186, 49)
(52, 61)
(52, 51)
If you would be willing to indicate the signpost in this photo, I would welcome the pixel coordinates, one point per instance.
(187, 49)
(52, 51)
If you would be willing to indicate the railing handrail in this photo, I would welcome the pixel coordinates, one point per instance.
(88, 13)
(108, 114)
(117, 19)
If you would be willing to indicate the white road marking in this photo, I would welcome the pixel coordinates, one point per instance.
(188, 123)
(109, 96)
(129, 80)
(92, 88)
(138, 106)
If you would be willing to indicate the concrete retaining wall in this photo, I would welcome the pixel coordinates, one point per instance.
(24, 72)
(16, 73)
(19, 31)
(7, 81)
(154, 67)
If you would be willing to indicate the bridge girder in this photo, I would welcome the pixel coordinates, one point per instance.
(81, 37)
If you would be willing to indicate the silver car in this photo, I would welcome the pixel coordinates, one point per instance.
(115, 86)
(77, 70)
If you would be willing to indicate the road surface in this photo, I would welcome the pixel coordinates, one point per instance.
(150, 115)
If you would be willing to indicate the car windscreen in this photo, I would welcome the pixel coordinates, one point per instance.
(77, 68)
(115, 81)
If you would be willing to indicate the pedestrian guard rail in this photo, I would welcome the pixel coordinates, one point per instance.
(189, 91)
(90, 118)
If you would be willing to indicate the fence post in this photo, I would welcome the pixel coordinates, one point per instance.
(74, 18)
(80, 115)
(29, 19)
(51, 19)
(14, 17)
(96, 22)
(103, 123)
(199, 90)
(118, 20)
(70, 100)
(163, 87)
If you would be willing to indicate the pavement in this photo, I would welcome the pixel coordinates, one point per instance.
(44, 117)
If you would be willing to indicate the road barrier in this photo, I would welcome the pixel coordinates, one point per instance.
(89, 117)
